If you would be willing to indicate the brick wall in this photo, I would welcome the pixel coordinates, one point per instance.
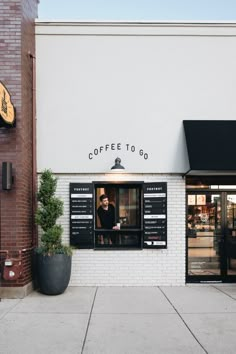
(130, 268)
(17, 40)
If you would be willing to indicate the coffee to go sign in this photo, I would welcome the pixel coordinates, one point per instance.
(7, 110)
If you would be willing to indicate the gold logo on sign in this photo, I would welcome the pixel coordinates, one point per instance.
(7, 112)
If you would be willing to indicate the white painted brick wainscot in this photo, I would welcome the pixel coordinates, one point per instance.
(147, 267)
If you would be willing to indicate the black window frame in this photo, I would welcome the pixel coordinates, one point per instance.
(130, 231)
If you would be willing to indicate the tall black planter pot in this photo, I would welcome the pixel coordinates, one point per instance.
(53, 273)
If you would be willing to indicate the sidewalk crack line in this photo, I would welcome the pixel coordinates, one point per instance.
(90, 315)
(231, 297)
(183, 320)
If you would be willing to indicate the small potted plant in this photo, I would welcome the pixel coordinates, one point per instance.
(53, 259)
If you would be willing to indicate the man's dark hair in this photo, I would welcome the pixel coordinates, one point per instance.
(103, 196)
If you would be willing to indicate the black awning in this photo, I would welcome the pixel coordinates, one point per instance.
(211, 144)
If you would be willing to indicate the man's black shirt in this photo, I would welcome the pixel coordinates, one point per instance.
(107, 217)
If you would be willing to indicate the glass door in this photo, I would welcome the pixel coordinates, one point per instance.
(211, 236)
(230, 232)
(204, 235)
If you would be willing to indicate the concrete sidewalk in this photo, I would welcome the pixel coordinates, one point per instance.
(119, 320)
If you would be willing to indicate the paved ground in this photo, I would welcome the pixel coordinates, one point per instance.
(122, 320)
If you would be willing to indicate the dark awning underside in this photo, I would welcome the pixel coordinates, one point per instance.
(211, 145)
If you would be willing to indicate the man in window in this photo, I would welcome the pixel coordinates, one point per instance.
(106, 214)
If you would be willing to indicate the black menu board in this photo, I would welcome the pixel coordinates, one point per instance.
(81, 215)
(155, 215)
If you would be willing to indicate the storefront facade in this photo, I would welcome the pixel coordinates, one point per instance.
(123, 90)
(155, 98)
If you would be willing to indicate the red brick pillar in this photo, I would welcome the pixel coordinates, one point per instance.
(17, 144)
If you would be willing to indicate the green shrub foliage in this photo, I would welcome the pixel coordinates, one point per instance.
(50, 208)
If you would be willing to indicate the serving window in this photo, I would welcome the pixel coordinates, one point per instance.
(121, 204)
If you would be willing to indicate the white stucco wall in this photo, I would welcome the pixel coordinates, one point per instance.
(100, 84)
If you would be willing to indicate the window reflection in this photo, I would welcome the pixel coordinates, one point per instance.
(129, 214)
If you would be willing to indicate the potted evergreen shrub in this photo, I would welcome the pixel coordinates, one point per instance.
(53, 259)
